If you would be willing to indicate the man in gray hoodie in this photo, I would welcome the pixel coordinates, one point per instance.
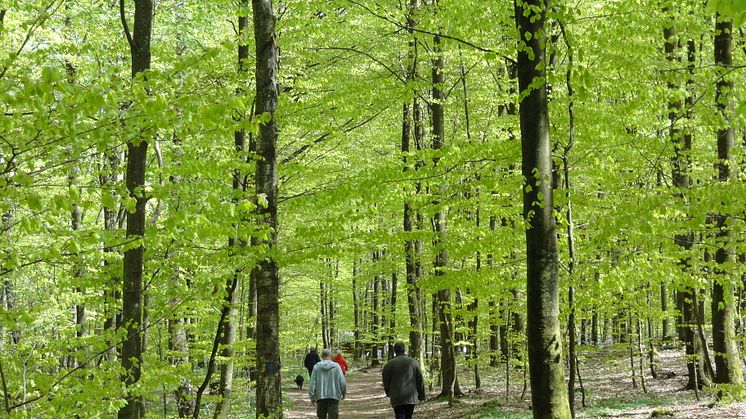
(328, 387)
(403, 383)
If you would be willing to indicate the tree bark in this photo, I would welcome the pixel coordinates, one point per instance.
(548, 389)
(108, 180)
(132, 289)
(392, 315)
(356, 313)
(268, 386)
(443, 296)
(727, 357)
(412, 131)
(324, 315)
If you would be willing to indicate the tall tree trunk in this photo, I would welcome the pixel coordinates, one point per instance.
(443, 296)
(682, 145)
(411, 127)
(548, 389)
(727, 357)
(132, 288)
(268, 393)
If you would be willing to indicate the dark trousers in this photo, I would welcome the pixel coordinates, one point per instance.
(327, 408)
(404, 411)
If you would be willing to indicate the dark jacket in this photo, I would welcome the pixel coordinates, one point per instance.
(402, 381)
(311, 359)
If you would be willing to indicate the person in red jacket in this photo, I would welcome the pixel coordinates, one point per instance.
(339, 359)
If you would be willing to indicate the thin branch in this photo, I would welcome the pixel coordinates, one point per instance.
(123, 17)
(6, 395)
(45, 14)
(445, 36)
(379, 62)
(324, 136)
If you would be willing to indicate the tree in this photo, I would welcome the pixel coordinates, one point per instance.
(268, 394)
(548, 390)
(132, 290)
(727, 358)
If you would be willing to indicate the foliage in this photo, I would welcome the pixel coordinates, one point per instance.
(69, 107)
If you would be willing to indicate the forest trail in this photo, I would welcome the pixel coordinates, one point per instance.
(365, 398)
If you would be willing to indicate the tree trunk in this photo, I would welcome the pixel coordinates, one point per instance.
(664, 311)
(179, 347)
(594, 328)
(411, 125)
(375, 323)
(132, 288)
(473, 330)
(268, 387)
(113, 315)
(548, 389)
(494, 332)
(698, 377)
(356, 312)
(727, 358)
(324, 314)
(392, 315)
(443, 296)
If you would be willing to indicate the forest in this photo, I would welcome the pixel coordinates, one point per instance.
(544, 200)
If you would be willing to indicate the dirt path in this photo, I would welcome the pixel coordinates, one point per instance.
(606, 377)
(365, 398)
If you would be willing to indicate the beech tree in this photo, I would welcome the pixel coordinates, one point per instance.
(132, 289)
(548, 396)
(268, 394)
(167, 223)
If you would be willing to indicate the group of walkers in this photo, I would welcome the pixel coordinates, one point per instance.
(402, 382)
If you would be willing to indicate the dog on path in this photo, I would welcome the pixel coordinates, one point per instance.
(299, 381)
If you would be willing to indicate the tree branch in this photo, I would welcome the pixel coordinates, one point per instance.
(444, 36)
(43, 16)
(123, 17)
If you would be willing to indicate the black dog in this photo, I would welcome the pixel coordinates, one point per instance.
(299, 381)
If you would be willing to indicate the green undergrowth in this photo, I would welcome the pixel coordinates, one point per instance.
(615, 405)
(495, 409)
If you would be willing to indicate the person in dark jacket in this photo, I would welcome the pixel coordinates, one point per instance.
(403, 383)
(311, 359)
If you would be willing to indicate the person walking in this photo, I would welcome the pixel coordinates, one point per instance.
(312, 357)
(403, 383)
(340, 359)
(328, 387)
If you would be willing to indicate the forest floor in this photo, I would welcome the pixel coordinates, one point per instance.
(607, 380)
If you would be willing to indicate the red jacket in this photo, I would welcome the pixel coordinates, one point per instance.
(339, 359)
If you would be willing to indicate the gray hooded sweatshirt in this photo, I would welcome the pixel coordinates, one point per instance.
(327, 381)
